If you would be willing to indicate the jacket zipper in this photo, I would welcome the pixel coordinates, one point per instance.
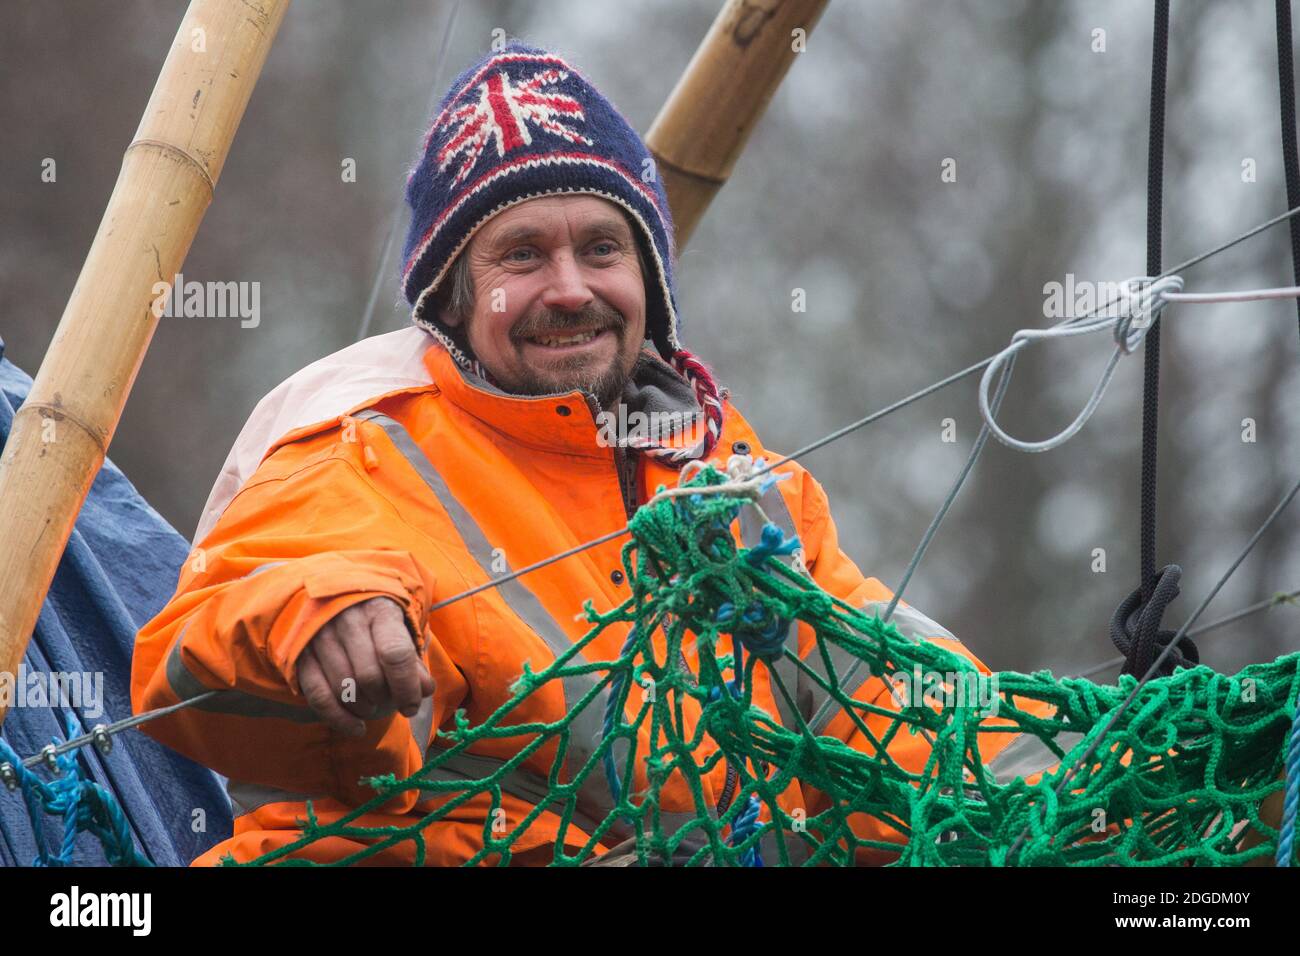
(625, 468)
(624, 464)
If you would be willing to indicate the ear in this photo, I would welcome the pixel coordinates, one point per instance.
(440, 299)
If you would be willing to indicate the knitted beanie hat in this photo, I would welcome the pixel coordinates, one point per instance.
(519, 124)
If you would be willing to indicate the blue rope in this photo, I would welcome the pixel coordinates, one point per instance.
(757, 628)
(743, 827)
(773, 542)
(84, 805)
(760, 631)
(1286, 838)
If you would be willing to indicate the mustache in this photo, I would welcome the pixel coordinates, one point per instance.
(549, 322)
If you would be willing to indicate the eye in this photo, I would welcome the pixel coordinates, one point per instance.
(519, 254)
(604, 247)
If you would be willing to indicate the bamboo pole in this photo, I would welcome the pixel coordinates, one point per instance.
(706, 120)
(61, 433)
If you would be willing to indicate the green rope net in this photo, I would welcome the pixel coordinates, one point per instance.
(1178, 780)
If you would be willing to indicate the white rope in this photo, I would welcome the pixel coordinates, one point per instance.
(746, 482)
(1142, 299)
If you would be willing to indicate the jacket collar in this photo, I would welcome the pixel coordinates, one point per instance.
(566, 422)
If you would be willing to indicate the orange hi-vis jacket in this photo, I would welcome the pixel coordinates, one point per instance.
(419, 492)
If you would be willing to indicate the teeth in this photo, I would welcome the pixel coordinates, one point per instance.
(555, 341)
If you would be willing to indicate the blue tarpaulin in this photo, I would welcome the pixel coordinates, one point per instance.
(118, 570)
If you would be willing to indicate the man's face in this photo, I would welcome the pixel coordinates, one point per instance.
(559, 300)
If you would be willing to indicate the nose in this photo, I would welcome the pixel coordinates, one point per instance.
(567, 290)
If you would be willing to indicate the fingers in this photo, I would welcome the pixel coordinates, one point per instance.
(366, 649)
(408, 680)
(372, 697)
(321, 695)
(335, 664)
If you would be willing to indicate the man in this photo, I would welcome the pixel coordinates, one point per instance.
(413, 466)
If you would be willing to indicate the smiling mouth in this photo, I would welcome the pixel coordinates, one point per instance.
(566, 341)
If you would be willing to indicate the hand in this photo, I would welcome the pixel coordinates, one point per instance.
(370, 645)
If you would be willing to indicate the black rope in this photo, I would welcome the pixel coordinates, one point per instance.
(1135, 626)
(1286, 97)
(1151, 378)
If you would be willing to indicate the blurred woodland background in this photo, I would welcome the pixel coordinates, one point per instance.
(907, 278)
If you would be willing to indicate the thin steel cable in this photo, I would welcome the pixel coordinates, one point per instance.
(942, 513)
(395, 220)
(1129, 329)
(824, 711)
(55, 750)
(1238, 295)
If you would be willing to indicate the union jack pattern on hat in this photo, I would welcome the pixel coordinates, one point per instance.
(523, 123)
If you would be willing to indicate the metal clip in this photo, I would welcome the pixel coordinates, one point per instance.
(9, 775)
(50, 758)
(102, 739)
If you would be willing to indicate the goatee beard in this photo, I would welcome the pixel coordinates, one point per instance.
(607, 385)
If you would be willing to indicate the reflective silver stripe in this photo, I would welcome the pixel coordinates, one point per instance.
(186, 687)
(1028, 755)
(910, 622)
(586, 726)
(246, 797)
(751, 532)
(421, 722)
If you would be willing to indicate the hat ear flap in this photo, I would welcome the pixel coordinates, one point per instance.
(657, 311)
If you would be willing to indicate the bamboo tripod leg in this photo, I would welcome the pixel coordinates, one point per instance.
(703, 126)
(61, 434)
